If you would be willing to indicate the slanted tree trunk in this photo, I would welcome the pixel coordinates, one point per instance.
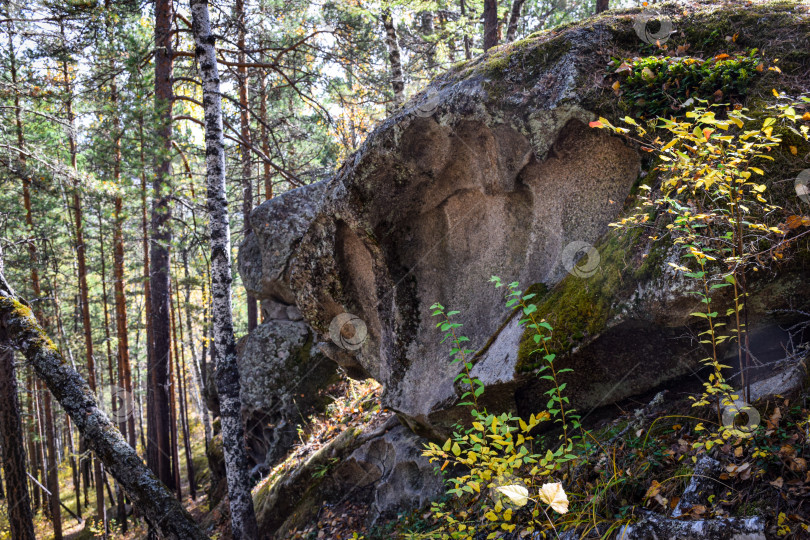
(397, 82)
(514, 18)
(243, 517)
(21, 519)
(159, 404)
(20, 330)
(490, 24)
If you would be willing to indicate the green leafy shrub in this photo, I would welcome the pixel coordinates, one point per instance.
(715, 195)
(660, 85)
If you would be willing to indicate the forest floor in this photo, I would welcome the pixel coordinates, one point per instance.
(87, 528)
(646, 454)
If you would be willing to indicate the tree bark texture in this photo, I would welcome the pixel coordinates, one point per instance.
(21, 519)
(243, 517)
(490, 24)
(159, 441)
(514, 18)
(397, 82)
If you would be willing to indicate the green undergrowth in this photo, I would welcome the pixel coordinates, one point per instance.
(634, 464)
(661, 85)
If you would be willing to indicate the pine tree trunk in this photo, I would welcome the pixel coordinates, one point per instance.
(243, 517)
(64, 345)
(116, 390)
(21, 519)
(427, 29)
(101, 513)
(397, 82)
(39, 448)
(244, 134)
(147, 295)
(490, 24)
(32, 248)
(159, 404)
(53, 471)
(195, 364)
(514, 18)
(74, 469)
(268, 184)
(173, 404)
(22, 332)
(602, 5)
(181, 387)
(467, 47)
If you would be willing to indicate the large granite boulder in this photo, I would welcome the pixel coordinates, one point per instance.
(493, 170)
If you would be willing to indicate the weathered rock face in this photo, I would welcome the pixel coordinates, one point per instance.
(380, 468)
(493, 170)
(393, 469)
(280, 374)
(427, 211)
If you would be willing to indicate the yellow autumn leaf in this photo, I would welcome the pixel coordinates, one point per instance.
(516, 493)
(554, 495)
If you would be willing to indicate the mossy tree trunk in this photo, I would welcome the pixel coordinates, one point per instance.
(21, 331)
(243, 516)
